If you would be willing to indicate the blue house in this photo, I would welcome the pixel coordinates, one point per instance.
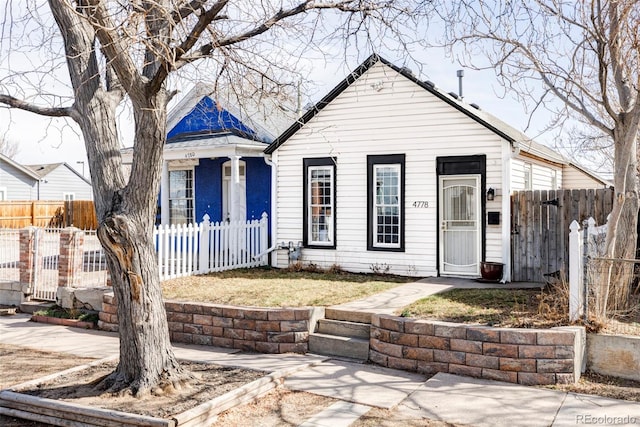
(214, 161)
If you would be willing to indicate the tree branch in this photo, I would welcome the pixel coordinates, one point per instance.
(303, 7)
(113, 46)
(191, 39)
(43, 111)
(181, 13)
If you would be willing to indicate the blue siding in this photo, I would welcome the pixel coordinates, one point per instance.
(208, 189)
(206, 117)
(258, 187)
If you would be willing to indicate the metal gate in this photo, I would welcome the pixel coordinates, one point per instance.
(46, 256)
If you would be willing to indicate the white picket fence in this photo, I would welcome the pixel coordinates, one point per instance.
(584, 242)
(184, 250)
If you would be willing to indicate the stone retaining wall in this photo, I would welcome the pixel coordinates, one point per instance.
(12, 293)
(266, 330)
(523, 356)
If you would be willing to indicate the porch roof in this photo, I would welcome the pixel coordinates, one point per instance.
(218, 145)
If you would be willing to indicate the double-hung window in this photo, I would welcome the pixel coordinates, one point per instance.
(385, 201)
(319, 219)
(181, 196)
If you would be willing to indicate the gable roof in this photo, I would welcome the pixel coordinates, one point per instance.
(224, 115)
(511, 134)
(45, 169)
(20, 167)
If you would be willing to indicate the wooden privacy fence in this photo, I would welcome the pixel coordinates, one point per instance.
(540, 222)
(48, 213)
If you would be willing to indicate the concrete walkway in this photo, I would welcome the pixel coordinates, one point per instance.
(449, 398)
(394, 299)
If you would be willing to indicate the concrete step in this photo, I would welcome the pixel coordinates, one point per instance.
(332, 345)
(343, 328)
(347, 315)
(33, 306)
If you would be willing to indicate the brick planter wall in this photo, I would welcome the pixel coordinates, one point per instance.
(524, 356)
(266, 330)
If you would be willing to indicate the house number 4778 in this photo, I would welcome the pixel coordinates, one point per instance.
(421, 204)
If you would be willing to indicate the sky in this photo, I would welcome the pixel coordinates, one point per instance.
(44, 140)
(48, 141)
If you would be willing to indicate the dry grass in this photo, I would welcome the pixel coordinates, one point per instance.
(494, 307)
(263, 287)
(602, 385)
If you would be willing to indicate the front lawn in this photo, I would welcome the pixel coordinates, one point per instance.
(266, 287)
(493, 307)
(513, 308)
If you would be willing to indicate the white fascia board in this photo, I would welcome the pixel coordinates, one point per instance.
(213, 151)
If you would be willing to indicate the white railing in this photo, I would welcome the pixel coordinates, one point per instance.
(46, 250)
(202, 248)
(94, 263)
(10, 255)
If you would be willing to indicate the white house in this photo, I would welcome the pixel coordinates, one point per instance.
(390, 173)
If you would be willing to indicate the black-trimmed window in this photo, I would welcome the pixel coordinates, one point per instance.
(385, 202)
(319, 218)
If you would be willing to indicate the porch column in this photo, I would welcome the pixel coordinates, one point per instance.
(164, 194)
(234, 189)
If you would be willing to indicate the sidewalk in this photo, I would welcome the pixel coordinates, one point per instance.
(444, 397)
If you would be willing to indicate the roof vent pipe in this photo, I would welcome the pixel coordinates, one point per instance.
(460, 74)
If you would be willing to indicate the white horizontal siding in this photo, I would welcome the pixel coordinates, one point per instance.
(542, 174)
(402, 118)
(574, 178)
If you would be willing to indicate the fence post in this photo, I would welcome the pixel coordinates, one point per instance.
(71, 257)
(264, 237)
(26, 263)
(576, 299)
(203, 258)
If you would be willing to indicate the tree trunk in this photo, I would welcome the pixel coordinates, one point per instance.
(147, 362)
(125, 210)
(616, 275)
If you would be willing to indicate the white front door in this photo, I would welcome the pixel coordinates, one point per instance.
(460, 225)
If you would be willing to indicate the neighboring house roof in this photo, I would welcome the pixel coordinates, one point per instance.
(41, 171)
(517, 138)
(20, 167)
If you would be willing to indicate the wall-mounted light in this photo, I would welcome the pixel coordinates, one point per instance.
(491, 194)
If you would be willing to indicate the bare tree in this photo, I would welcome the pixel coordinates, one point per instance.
(585, 55)
(117, 51)
(8, 147)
